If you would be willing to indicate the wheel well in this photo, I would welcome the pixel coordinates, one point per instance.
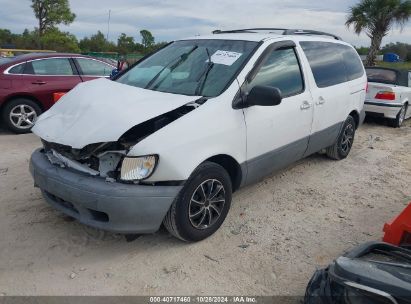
(231, 166)
(356, 117)
(9, 99)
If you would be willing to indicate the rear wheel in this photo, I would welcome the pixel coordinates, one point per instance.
(397, 122)
(20, 114)
(345, 140)
(202, 205)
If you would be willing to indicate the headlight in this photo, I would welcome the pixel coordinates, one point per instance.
(138, 168)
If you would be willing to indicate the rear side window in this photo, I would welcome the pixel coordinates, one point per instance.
(281, 70)
(91, 67)
(352, 61)
(53, 67)
(332, 63)
(18, 69)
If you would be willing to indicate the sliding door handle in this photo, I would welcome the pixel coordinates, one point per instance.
(321, 101)
(306, 105)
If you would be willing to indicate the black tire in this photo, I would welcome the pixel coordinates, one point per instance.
(16, 105)
(397, 122)
(342, 147)
(178, 220)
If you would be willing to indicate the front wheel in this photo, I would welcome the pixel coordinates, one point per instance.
(202, 205)
(342, 147)
(397, 122)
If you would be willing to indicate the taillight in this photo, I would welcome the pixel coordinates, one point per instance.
(366, 88)
(57, 96)
(385, 95)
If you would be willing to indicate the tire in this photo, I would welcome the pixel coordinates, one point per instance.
(397, 122)
(20, 114)
(192, 216)
(342, 147)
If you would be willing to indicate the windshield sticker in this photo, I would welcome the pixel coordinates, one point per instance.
(225, 57)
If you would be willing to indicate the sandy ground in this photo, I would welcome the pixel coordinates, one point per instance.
(277, 232)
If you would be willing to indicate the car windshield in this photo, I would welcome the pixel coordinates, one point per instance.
(191, 67)
(382, 76)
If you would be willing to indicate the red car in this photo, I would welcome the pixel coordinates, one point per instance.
(30, 84)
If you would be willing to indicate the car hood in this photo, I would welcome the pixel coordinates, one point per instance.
(102, 111)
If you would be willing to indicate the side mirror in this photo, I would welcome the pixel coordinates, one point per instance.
(114, 73)
(263, 96)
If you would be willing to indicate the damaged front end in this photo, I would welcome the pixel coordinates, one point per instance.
(105, 159)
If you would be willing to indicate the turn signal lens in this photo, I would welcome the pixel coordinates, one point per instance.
(138, 168)
(385, 95)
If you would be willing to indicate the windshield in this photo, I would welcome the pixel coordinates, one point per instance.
(381, 75)
(184, 67)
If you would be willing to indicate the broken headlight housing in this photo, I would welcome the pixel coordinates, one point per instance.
(138, 168)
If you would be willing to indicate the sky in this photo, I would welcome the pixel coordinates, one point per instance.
(173, 19)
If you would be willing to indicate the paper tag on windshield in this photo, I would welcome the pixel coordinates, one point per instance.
(225, 57)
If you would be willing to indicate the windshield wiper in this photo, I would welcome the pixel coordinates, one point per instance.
(172, 66)
(205, 73)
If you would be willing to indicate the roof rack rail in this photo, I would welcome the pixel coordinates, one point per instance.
(282, 30)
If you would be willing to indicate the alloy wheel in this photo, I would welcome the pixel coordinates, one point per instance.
(348, 138)
(23, 116)
(206, 204)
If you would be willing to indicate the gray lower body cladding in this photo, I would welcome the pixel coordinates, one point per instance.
(117, 207)
(258, 168)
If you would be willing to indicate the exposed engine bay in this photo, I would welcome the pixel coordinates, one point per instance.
(104, 159)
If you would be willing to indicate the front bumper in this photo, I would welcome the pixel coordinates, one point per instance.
(117, 207)
(388, 110)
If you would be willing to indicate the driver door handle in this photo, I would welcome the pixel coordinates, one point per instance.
(39, 82)
(306, 105)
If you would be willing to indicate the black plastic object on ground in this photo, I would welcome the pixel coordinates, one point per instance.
(374, 273)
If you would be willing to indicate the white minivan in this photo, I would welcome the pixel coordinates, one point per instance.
(170, 139)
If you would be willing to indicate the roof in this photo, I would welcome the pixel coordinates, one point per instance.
(33, 56)
(260, 34)
(258, 37)
(263, 34)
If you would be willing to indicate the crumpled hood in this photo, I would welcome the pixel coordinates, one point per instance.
(102, 111)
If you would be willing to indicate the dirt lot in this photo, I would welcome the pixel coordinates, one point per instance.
(277, 232)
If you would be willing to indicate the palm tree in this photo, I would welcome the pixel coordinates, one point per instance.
(376, 18)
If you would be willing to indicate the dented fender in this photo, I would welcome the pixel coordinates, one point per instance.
(214, 128)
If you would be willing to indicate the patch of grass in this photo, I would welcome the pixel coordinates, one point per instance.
(395, 65)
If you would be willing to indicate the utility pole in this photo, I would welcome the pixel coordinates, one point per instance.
(108, 24)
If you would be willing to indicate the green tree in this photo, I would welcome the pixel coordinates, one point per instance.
(147, 39)
(97, 43)
(363, 50)
(399, 48)
(125, 44)
(376, 18)
(6, 37)
(51, 13)
(56, 40)
(27, 40)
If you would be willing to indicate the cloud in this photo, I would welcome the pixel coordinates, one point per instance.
(173, 19)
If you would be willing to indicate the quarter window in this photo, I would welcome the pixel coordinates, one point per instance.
(281, 70)
(332, 63)
(91, 67)
(53, 67)
(18, 69)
